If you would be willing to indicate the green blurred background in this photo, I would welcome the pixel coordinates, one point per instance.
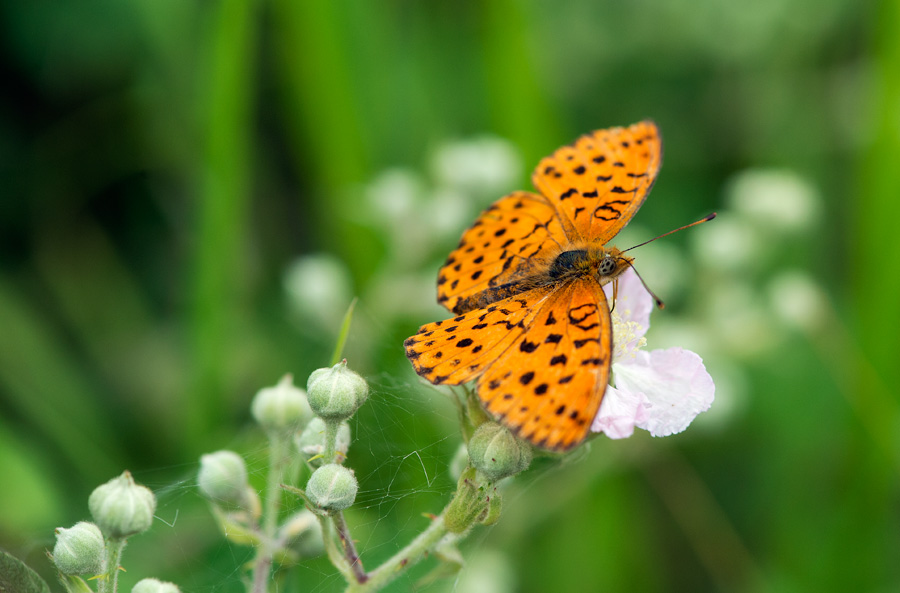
(192, 192)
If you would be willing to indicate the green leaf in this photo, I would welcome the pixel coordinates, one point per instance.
(342, 337)
(15, 577)
(74, 584)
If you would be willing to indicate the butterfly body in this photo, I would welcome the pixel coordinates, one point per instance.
(601, 264)
(532, 325)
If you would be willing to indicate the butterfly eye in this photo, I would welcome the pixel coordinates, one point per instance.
(607, 266)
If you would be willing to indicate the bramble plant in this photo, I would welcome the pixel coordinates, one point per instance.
(309, 427)
(660, 391)
(333, 395)
(657, 391)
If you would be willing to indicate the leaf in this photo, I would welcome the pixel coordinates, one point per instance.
(342, 337)
(16, 577)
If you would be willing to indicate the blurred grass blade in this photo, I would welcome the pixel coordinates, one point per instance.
(224, 189)
(342, 337)
(48, 389)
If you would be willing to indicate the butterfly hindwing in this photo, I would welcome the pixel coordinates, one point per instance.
(547, 385)
(457, 350)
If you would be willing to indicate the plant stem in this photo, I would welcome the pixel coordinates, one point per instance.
(262, 568)
(350, 552)
(114, 556)
(338, 559)
(278, 458)
(262, 564)
(330, 449)
(403, 559)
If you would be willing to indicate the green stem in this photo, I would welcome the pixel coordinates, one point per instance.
(402, 560)
(113, 556)
(262, 565)
(331, 431)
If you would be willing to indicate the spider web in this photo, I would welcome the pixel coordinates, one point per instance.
(399, 483)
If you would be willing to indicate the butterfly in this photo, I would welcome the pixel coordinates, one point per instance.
(532, 324)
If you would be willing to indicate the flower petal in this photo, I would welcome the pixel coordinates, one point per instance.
(620, 411)
(674, 384)
(633, 302)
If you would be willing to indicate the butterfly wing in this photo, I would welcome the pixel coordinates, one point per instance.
(503, 240)
(457, 350)
(542, 359)
(547, 384)
(599, 183)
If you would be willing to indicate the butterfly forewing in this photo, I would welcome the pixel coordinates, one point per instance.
(599, 182)
(547, 385)
(505, 237)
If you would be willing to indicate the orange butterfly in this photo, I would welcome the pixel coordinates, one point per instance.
(532, 323)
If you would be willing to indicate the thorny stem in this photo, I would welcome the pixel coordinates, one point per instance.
(350, 552)
(403, 559)
(334, 555)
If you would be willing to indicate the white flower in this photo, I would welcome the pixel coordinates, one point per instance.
(661, 391)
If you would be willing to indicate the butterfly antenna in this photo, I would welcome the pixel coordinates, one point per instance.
(706, 218)
(659, 301)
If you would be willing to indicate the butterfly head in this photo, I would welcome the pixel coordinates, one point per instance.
(612, 263)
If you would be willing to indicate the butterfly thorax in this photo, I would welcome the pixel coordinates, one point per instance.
(600, 263)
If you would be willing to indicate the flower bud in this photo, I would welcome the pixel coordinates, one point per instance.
(154, 586)
(79, 549)
(494, 506)
(283, 408)
(223, 478)
(122, 508)
(332, 487)
(311, 442)
(496, 453)
(336, 393)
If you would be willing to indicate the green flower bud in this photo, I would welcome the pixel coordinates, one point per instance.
(122, 508)
(154, 586)
(336, 393)
(332, 487)
(79, 549)
(497, 453)
(223, 478)
(283, 408)
(471, 502)
(311, 442)
(494, 506)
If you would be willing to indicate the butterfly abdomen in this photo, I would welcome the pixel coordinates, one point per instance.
(491, 295)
